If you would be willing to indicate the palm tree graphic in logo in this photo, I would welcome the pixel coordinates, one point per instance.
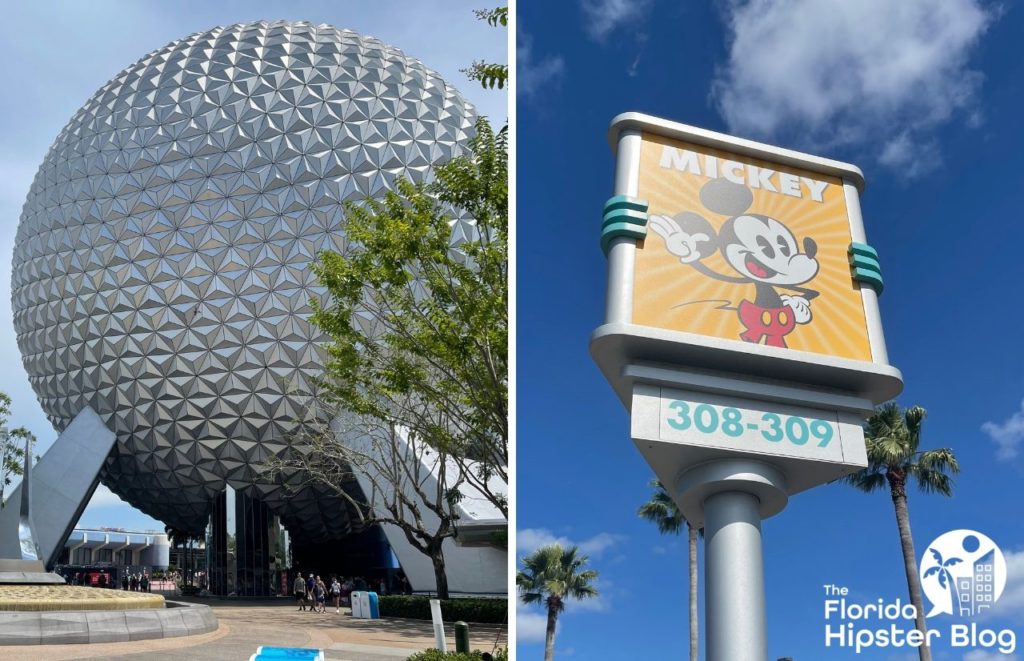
(963, 573)
(941, 571)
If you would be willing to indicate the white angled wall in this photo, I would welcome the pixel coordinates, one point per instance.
(476, 569)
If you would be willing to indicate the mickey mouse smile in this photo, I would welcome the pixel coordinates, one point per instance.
(757, 269)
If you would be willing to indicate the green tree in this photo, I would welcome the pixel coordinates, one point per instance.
(490, 74)
(663, 512)
(552, 575)
(439, 305)
(12, 451)
(895, 459)
(405, 482)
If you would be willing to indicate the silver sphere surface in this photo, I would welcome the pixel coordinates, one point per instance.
(161, 266)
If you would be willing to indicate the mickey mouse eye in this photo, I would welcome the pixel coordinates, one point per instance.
(766, 247)
(784, 246)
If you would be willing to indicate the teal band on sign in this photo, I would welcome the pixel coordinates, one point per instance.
(865, 267)
(863, 262)
(621, 229)
(864, 250)
(623, 216)
(625, 202)
(872, 278)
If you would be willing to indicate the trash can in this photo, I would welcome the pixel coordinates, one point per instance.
(365, 605)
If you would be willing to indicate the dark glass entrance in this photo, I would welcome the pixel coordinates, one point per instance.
(242, 540)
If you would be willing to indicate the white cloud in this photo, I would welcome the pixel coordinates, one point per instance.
(531, 539)
(1008, 434)
(1011, 603)
(597, 544)
(533, 75)
(104, 497)
(531, 627)
(827, 73)
(634, 68)
(602, 17)
(913, 159)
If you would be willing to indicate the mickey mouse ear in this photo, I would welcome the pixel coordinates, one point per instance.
(724, 197)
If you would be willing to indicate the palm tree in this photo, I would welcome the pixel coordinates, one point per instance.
(663, 511)
(553, 574)
(174, 536)
(179, 538)
(893, 437)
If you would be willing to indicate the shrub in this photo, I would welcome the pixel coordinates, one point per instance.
(438, 655)
(470, 609)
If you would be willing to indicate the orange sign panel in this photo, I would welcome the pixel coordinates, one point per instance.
(744, 249)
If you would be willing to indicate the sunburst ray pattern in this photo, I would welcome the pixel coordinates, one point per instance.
(671, 295)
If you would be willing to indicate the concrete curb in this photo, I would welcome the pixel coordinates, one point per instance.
(77, 627)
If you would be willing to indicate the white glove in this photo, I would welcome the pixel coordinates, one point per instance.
(801, 307)
(678, 242)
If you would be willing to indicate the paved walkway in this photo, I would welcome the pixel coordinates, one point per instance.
(246, 625)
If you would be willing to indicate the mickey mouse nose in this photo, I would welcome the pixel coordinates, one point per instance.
(810, 247)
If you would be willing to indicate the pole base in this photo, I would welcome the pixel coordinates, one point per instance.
(697, 484)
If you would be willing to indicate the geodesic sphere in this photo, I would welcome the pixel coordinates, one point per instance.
(161, 266)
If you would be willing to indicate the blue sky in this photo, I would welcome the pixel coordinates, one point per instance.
(925, 97)
(57, 54)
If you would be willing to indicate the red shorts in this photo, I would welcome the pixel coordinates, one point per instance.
(773, 324)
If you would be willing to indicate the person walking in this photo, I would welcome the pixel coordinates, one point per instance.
(300, 592)
(346, 592)
(311, 591)
(321, 595)
(336, 593)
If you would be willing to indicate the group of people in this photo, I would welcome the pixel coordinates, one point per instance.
(135, 582)
(84, 578)
(313, 591)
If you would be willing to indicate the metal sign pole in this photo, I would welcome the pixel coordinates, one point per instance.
(729, 498)
(734, 578)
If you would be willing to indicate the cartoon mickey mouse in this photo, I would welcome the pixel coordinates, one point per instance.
(762, 250)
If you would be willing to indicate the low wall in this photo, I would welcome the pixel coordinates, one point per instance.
(76, 627)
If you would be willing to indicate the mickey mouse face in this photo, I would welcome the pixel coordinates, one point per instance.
(764, 250)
